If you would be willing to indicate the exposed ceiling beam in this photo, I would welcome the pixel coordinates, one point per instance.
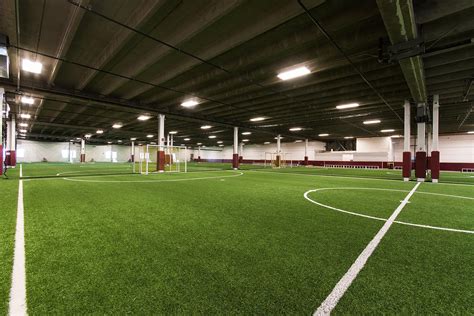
(399, 19)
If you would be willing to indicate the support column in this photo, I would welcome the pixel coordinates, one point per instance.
(435, 163)
(235, 154)
(241, 157)
(2, 92)
(306, 152)
(199, 153)
(420, 158)
(12, 148)
(132, 156)
(406, 144)
(83, 150)
(160, 159)
(278, 155)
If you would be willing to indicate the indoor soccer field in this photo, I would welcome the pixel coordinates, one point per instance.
(236, 157)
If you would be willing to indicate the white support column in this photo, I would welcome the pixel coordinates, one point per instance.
(241, 149)
(278, 144)
(278, 154)
(199, 153)
(421, 137)
(83, 150)
(407, 132)
(171, 140)
(160, 161)
(12, 141)
(133, 151)
(235, 153)
(420, 158)
(306, 147)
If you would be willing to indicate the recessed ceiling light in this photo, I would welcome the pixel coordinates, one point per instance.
(387, 130)
(371, 122)
(187, 139)
(295, 129)
(133, 138)
(23, 124)
(206, 127)
(117, 125)
(347, 106)
(23, 131)
(266, 143)
(144, 117)
(173, 132)
(470, 132)
(245, 140)
(199, 144)
(212, 136)
(149, 135)
(294, 73)
(323, 135)
(99, 131)
(298, 141)
(27, 100)
(221, 145)
(31, 66)
(246, 133)
(349, 137)
(25, 116)
(88, 135)
(257, 119)
(189, 103)
(220, 142)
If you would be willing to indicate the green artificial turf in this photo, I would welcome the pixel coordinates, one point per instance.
(241, 243)
(8, 207)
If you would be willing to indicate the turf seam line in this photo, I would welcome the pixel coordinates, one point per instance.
(17, 305)
(345, 282)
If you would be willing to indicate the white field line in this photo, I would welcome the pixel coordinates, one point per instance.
(350, 177)
(17, 306)
(152, 181)
(341, 287)
(384, 219)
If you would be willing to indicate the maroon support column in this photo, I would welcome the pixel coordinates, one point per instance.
(406, 165)
(235, 161)
(160, 161)
(420, 165)
(435, 166)
(305, 160)
(1, 153)
(435, 163)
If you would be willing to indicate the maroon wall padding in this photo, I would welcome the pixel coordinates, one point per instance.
(12, 158)
(132, 158)
(83, 157)
(434, 165)
(199, 158)
(1, 159)
(235, 161)
(7, 158)
(305, 160)
(420, 165)
(406, 164)
(160, 161)
(241, 159)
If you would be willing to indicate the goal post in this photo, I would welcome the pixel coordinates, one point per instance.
(175, 159)
(278, 160)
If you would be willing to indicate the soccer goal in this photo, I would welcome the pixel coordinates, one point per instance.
(175, 159)
(277, 160)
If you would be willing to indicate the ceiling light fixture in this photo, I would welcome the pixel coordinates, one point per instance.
(199, 144)
(31, 66)
(323, 135)
(245, 140)
(295, 129)
(99, 131)
(189, 103)
(117, 125)
(257, 119)
(23, 124)
(133, 138)
(294, 73)
(347, 106)
(396, 136)
(149, 136)
(369, 122)
(25, 116)
(470, 132)
(266, 143)
(298, 141)
(27, 100)
(212, 136)
(221, 145)
(23, 131)
(119, 141)
(206, 127)
(348, 137)
(88, 135)
(144, 117)
(246, 133)
(173, 132)
(390, 130)
(187, 139)
(220, 142)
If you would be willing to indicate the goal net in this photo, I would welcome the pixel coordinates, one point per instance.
(278, 160)
(147, 161)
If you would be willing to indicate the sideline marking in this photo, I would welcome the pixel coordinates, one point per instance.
(145, 181)
(384, 219)
(341, 287)
(17, 304)
(351, 177)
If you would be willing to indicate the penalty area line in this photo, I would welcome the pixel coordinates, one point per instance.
(345, 282)
(17, 304)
